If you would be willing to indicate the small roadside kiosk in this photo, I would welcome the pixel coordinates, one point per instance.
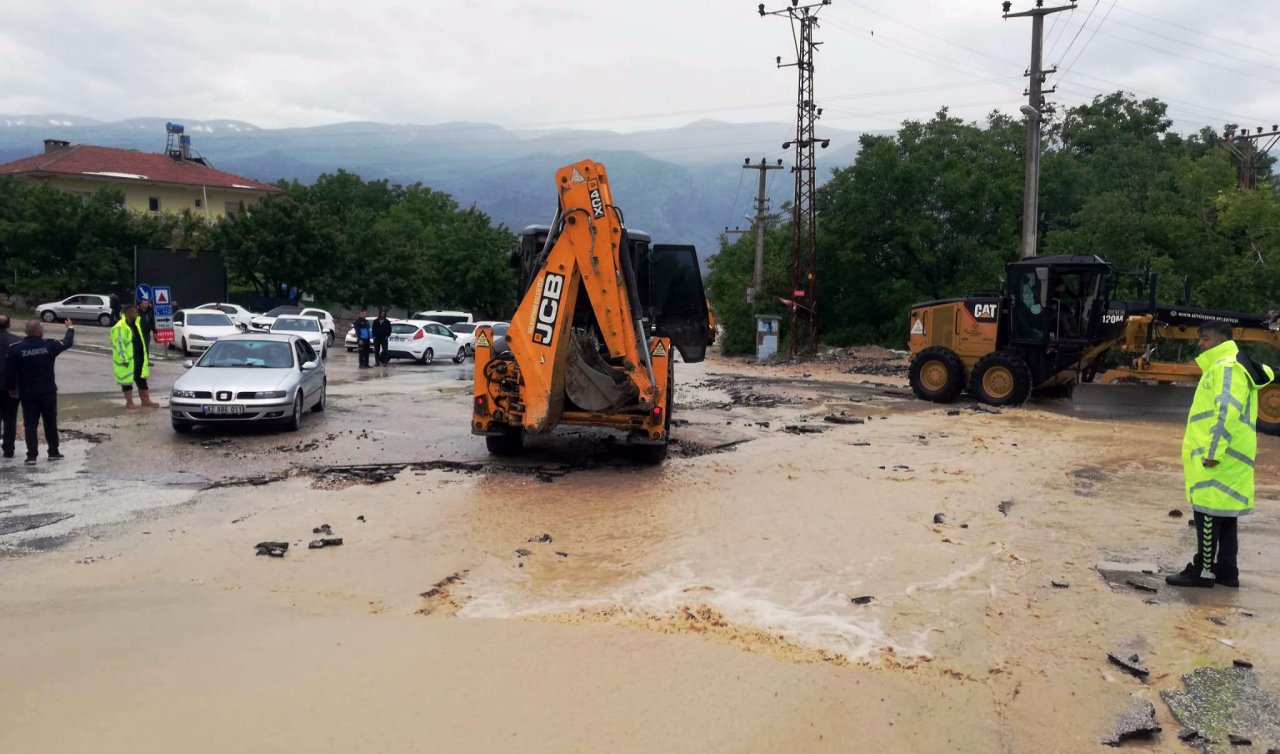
(768, 328)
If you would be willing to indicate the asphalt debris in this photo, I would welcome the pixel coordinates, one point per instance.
(1223, 702)
(1235, 740)
(562, 553)
(29, 521)
(1176, 513)
(841, 419)
(541, 539)
(1135, 722)
(804, 429)
(322, 529)
(441, 586)
(863, 600)
(317, 544)
(941, 519)
(1061, 584)
(1242, 664)
(1142, 586)
(272, 549)
(1004, 507)
(1130, 663)
(523, 553)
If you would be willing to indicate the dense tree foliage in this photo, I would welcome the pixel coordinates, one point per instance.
(342, 239)
(935, 210)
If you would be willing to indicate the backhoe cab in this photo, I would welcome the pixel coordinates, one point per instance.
(1043, 328)
(600, 310)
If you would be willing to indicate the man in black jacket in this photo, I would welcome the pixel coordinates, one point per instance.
(382, 337)
(29, 378)
(8, 404)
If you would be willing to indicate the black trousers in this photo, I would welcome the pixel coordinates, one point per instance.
(1217, 545)
(8, 421)
(364, 353)
(381, 346)
(35, 409)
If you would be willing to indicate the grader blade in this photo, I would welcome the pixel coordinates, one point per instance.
(1132, 399)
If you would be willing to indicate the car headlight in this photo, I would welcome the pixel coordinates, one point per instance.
(183, 394)
(263, 394)
(198, 337)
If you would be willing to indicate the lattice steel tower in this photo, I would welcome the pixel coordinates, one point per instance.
(804, 252)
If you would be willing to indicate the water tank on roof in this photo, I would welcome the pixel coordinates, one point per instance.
(174, 128)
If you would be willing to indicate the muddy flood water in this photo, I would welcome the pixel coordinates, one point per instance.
(822, 564)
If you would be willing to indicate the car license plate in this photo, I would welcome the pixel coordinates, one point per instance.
(230, 408)
(400, 339)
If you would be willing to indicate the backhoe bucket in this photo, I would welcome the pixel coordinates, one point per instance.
(1129, 399)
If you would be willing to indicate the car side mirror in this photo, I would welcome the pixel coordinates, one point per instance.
(307, 366)
(188, 364)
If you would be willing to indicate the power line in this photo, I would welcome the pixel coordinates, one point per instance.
(1274, 61)
(1067, 51)
(1232, 42)
(1089, 40)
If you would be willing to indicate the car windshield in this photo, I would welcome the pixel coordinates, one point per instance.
(208, 320)
(500, 329)
(401, 329)
(444, 318)
(280, 311)
(264, 354)
(295, 324)
(463, 328)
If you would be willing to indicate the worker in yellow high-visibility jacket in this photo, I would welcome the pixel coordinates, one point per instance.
(1218, 452)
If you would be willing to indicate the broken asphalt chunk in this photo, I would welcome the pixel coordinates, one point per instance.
(1187, 735)
(1235, 740)
(325, 542)
(562, 554)
(837, 419)
(1242, 664)
(541, 539)
(804, 429)
(1175, 513)
(272, 549)
(1140, 586)
(322, 529)
(1135, 722)
(1004, 507)
(523, 553)
(954, 411)
(863, 600)
(1061, 584)
(1131, 663)
(941, 518)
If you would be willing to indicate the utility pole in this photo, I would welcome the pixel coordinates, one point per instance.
(1247, 147)
(804, 250)
(762, 212)
(1034, 111)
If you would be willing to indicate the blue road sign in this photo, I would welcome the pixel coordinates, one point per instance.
(142, 292)
(163, 304)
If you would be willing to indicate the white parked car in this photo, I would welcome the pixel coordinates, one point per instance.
(424, 342)
(240, 316)
(307, 328)
(466, 332)
(327, 325)
(197, 329)
(445, 318)
(84, 306)
(249, 378)
(352, 343)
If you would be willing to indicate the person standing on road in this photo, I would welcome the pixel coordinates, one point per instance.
(114, 301)
(1218, 452)
(8, 404)
(29, 379)
(147, 316)
(129, 357)
(363, 334)
(382, 337)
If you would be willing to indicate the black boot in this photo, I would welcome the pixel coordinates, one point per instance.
(1190, 576)
(1228, 579)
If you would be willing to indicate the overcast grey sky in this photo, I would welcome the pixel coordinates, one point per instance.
(618, 65)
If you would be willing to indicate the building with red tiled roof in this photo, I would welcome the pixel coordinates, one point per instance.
(151, 182)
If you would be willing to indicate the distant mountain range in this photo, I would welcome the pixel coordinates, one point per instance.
(682, 185)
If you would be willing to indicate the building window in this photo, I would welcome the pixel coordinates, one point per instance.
(153, 204)
(232, 208)
(199, 203)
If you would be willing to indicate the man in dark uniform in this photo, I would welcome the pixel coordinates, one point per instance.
(363, 335)
(382, 337)
(8, 404)
(29, 378)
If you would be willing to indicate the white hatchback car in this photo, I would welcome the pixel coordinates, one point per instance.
(197, 329)
(242, 317)
(307, 328)
(424, 341)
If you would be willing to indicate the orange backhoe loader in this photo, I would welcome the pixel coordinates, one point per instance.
(601, 309)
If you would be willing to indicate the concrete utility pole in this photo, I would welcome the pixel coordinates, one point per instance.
(762, 212)
(1034, 111)
(804, 249)
(1247, 147)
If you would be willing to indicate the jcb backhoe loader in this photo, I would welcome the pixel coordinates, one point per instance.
(1051, 325)
(591, 341)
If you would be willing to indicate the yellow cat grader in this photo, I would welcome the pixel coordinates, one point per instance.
(1051, 326)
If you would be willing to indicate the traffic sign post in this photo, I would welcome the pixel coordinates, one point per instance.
(163, 306)
(142, 293)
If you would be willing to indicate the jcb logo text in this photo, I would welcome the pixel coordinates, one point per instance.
(548, 308)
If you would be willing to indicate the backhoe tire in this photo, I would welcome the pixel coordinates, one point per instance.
(1269, 409)
(937, 374)
(1001, 379)
(509, 443)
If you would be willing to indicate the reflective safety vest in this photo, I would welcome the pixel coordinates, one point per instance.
(122, 350)
(1223, 426)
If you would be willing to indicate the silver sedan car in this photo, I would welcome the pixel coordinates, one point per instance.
(250, 378)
